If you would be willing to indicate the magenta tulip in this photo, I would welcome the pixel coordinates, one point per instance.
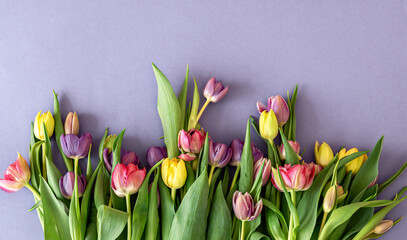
(16, 176)
(266, 170)
(126, 180)
(74, 146)
(67, 182)
(190, 143)
(295, 178)
(219, 154)
(279, 107)
(244, 207)
(155, 154)
(214, 91)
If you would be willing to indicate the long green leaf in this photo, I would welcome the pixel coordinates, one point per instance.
(111, 222)
(182, 97)
(167, 210)
(35, 164)
(246, 171)
(203, 165)
(392, 178)
(194, 110)
(220, 220)
(153, 218)
(291, 156)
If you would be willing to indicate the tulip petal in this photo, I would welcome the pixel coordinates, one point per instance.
(10, 186)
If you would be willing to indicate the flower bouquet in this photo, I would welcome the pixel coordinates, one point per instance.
(197, 188)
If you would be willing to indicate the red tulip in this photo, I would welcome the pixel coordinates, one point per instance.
(126, 180)
(244, 207)
(16, 176)
(295, 178)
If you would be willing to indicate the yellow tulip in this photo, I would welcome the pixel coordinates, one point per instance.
(356, 163)
(323, 154)
(40, 120)
(268, 125)
(173, 172)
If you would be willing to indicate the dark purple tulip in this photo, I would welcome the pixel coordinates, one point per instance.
(219, 154)
(155, 154)
(67, 182)
(237, 148)
(126, 157)
(214, 91)
(74, 146)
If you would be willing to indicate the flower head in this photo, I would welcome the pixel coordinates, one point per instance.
(67, 183)
(126, 157)
(354, 165)
(268, 125)
(237, 149)
(214, 91)
(279, 107)
(72, 124)
(155, 154)
(295, 178)
(294, 145)
(16, 176)
(43, 119)
(266, 169)
(323, 154)
(74, 146)
(244, 207)
(190, 143)
(127, 180)
(219, 154)
(173, 172)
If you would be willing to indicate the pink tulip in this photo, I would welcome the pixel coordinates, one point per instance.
(266, 170)
(16, 176)
(295, 178)
(279, 107)
(318, 168)
(214, 91)
(244, 207)
(191, 142)
(126, 180)
(294, 145)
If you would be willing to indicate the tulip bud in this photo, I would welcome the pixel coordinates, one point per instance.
(219, 154)
(295, 178)
(72, 124)
(109, 143)
(356, 163)
(74, 146)
(16, 176)
(237, 149)
(294, 145)
(40, 120)
(173, 173)
(268, 125)
(67, 183)
(323, 154)
(266, 170)
(383, 227)
(155, 154)
(279, 107)
(214, 91)
(244, 207)
(330, 199)
(127, 180)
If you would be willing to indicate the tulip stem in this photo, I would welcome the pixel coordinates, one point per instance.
(76, 166)
(210, 174)
(129, 219)
(35, 192)
(173, 193)
(202, 110)
(290, 233)
(44, 163)
(235, 178)
(323, 223)
(242, 232)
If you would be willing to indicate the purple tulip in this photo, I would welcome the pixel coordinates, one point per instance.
(237, 148)
(244, 207)
(126, 157)
(67, 182)
(155, 154)
(214, 91)
(74, 146)
(279, 107)
(219, 154)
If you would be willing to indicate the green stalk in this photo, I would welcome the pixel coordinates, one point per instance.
(202, 109)
(35, 192)
(44, 166)
(242, 233)
(291, 234)
(235, 177)
(129, 220)
(210, 174)
(173, 193)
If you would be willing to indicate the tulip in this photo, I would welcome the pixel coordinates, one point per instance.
(244, 207)
(219, 154)
(39, 122)
(354, 165)
(16, 176)
(237, 149)
(311, 165)
(294, 145)
(173, 173)
(126, 180)
(214, 91)
(323, 154)
(268, 125)
(72, 124)
(76, 147)
(155, 154)
(383, 227)
(330, 199)
(295, 178)
(67, 183)
(279, 107)
(190, 143)
(266, 170)
(126, 157)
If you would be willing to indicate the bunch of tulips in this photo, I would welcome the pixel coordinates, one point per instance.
(197, 188)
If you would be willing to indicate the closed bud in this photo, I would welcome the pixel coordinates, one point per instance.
(323, 154)
(330, 199)
(43, 119)
(268, 125)
(72, 124)
(354, 165)
(383, 227)
(214, 91)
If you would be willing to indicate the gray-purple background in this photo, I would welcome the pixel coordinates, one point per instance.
(348, 57)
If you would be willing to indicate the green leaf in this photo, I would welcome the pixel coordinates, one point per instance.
(291, 156)
(205, 156)
(392, 178)
(100, 192)
(36, 205)
(220, 220)
(35, 164)
(169, 111)
(190, 175)
(91, 229)
(59, 130)
(194, 110)
(182, 97)
(54, 175)
(111, 222)
(230, 196)
(153, 218)
(190, 219)
(258, 236)
(246, 173)
(101, 144)
(56, 224)
(89, 169)
(225, 182)
(167, 210)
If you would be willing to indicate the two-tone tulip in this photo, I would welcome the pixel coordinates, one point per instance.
(214, 91)
(67, 183)
(354, 165)
(266, 170)
(237, 149)
(72, 124)
(383, 227)
(155, 154)
(16, 176)
(76, 147)
(295, 177)
(244, 208)
(279, 107)
(268, 125)
(173, 173)
(43, 119)
(127, 180)
(312, 165)
(323, 154)
(294, 145)
(219, 154)
(190, 143)
(126, 157)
